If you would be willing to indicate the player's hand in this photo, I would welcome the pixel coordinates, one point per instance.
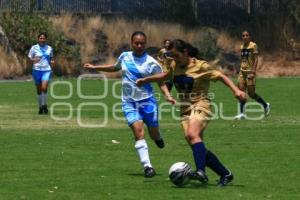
(170, 99)
(36, 59)
(140, 82)
(88, 65)
(240, 95)
(251, 75)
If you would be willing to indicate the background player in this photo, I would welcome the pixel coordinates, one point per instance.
(41, 56)
(247, 74)
(165, 59)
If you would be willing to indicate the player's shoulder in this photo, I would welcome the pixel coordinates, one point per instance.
(252, 45)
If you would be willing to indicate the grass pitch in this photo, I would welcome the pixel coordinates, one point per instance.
(43, 158)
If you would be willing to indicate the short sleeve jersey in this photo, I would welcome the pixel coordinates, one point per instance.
(248, 53)
(192, 82)
(133, 68)
(45, 53)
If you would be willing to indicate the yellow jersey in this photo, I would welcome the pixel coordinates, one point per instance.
(248, 53)
(166, 62)
(192, 83)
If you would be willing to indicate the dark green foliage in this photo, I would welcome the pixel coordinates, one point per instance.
(207, 44)
(22, 30)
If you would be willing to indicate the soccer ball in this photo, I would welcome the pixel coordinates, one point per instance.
(178, 173)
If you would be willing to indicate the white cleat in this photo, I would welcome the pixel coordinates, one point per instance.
(268, 110)
(240, 116)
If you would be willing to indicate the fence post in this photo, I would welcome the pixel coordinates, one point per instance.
(40, 5)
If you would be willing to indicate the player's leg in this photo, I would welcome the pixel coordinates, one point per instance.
(215, 165)
(149, 112)
(136, 124)
(242, 85)
(37, 77)
(259, 99)
(194, 129)
(44, 87)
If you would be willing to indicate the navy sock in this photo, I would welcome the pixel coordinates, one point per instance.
(242, 105)
(214, 164)
(260, 100)
(199, 153)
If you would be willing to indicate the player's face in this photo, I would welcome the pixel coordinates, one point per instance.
(167, 45)
(181, 58)
(138, 44)
(42, 40)
(246, 37)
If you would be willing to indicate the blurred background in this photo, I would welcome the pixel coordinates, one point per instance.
(98, 31)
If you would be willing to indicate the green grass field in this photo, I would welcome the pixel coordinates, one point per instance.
(42, 158)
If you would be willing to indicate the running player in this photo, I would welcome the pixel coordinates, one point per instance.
(41, 56)
(192, 80)
(165, 59)
(246, 78)
(138, 103)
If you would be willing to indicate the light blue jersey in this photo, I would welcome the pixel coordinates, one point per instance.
(44, 53)
(133, 68)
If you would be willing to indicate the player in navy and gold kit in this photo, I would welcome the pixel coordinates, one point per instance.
(192, 81)
(165, 61)
(246, 78)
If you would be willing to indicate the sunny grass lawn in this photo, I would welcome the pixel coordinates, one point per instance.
(46, 159)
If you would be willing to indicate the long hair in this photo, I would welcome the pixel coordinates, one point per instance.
(181, 46)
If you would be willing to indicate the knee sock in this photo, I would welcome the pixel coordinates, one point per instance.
(40, 99)
(242, 106)
(214, 164)
(142, 150)
(199, 155)
(260, 100)
(44, 98)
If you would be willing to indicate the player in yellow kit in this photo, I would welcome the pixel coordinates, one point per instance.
(192, 81)
(246, 78)
(166, 60)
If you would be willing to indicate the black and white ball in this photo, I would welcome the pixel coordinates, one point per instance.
(178, 173)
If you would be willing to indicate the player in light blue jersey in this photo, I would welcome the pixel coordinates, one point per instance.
(138, 103)
(41, 56)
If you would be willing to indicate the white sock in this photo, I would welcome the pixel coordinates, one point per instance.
(142, 149)
(44, 98)
(39, 97)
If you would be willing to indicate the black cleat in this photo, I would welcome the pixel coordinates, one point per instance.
(198, 175)
(224, 180)
(45, 109)
(41, 110)
(160, 143)
(149, 172)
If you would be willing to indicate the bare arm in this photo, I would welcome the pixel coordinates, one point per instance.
(236, 91)
(164, 89)
(103, 68)
(154, 78)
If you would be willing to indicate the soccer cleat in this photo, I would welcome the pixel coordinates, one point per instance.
(224, 180)
(198, 175)
(160, 143)
(149, 172)
(240, 116)
(41, 110)
(45, 109)
(267, 109)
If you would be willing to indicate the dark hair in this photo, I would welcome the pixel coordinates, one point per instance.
(246, 32)
(181, 45)
(44, 34)
(138, 33)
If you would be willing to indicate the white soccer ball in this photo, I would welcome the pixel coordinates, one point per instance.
(178, 173)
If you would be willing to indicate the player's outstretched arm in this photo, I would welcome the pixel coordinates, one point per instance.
(164, 89)
(239, 94)
(103, 68)
(154, 78)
